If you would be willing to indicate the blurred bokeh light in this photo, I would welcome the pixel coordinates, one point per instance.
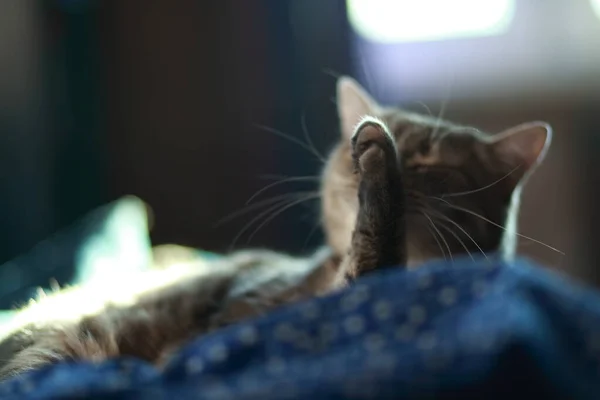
(412, 21)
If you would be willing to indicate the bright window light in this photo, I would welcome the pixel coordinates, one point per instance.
(596, 7)
(393, 21)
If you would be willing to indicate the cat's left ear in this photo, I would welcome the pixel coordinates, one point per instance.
(353, 103)
(523, 146)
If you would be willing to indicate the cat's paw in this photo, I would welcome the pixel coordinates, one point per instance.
(373, 148)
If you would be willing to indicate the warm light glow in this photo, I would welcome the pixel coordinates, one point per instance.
(596, 7)
(395, 21)
(89, 299)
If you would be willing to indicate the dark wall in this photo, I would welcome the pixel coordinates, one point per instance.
(51, 147)
(188, 82)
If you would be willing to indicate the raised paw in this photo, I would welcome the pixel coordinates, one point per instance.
(373, 148)
(378, 239)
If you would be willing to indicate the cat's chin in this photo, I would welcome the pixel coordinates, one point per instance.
(421, 245)
(418, 226)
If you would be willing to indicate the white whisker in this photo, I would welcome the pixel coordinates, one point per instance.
(435, 134)
(280, 182)
(257, 218)
(272, 209)
(451, 231)
(332, 73)
(363, 64)
(291, 139)
(310, 234)
(308, 138)
(441, 236)
(497, 225)
(481, 188)
(446, 218)
(260, 204)
(436, 240)
(278, 212)
(426, 107)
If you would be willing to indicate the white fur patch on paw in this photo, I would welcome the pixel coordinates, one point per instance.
(369, 120)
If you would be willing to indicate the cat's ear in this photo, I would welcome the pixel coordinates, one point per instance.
(523, 147)
(353, 104)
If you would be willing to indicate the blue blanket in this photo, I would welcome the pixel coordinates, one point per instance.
(462, 330)
(468, 330)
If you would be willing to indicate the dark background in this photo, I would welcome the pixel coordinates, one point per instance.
(161, 99)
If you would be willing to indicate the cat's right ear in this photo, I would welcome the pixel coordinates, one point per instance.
(353, 104)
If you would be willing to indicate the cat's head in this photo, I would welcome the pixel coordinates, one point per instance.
(462, 185)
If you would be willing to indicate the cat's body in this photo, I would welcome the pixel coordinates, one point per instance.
(151, 317)
(398, 189)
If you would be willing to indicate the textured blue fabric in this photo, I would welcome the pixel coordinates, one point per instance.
(468, 330)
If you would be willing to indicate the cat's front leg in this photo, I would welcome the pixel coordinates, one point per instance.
(378, 239)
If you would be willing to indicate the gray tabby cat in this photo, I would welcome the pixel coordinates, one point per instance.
(398, 189)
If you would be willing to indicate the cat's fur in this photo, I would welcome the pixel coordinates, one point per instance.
(398, 189)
